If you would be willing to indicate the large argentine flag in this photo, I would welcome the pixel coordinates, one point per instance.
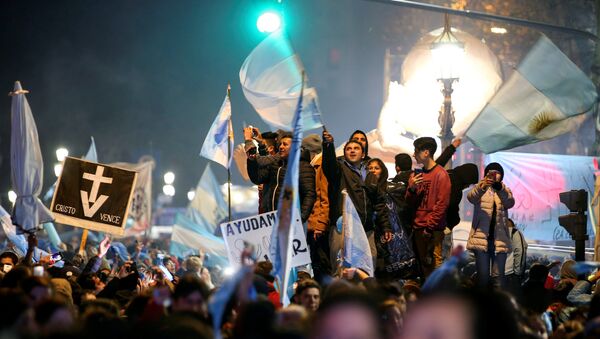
(218, 144)
(271, 78)
(188, 238)
(357, 252)
(543, 98)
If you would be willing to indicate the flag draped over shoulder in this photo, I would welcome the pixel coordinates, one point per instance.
(208, 208)
(27, 166)
(189, 238)
(271, 79)
(356, 251)
(288, 214)
(545, 97)
(218, 144)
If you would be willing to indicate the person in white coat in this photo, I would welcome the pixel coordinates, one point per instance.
(490, 238)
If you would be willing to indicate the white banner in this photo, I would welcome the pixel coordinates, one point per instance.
(256, 231)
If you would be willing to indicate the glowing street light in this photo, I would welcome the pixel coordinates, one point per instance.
(58, 169)
(169, 178)
(268, 22)
(447, 53)
(12, 196)
(169, 190)
(61, 154)
(191, 195)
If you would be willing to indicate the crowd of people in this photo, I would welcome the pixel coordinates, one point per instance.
(418, 288)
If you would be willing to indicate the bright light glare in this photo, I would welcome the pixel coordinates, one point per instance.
(191, 195)
(268, 22)
(58, 169)
(228, 271)
(61, 154)
(498, 30)
(448, 57)
(12, 196)
(169, 190)
(169, 178)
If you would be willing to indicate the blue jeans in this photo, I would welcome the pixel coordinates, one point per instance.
(488, 261)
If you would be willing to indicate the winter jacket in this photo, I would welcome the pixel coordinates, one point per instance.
(319, 217)
(483, 199)
(270, 171)
(341, 176)
(515, 261)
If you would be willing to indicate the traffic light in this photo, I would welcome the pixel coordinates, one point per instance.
(576, 221)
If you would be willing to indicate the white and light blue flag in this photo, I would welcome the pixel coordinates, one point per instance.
(218, 144)
(288, 213)
(356, 252)
(27, 166)
(546, 96)
(188, 238)
(208, 208)
(271, 79)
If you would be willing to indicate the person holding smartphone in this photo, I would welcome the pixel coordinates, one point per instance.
(489, 238)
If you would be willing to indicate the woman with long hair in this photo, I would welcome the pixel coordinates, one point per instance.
(396, 258)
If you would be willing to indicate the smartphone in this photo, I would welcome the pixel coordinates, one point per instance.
(492, 174)
(418, 171)
(57, 256)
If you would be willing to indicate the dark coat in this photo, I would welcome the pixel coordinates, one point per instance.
(270, 171)
(340, 176)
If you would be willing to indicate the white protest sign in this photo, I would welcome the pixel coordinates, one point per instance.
(256, 230)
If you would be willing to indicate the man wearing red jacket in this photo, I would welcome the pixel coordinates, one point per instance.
(428, 196)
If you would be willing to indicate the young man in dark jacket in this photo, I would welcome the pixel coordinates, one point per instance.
(349, 172)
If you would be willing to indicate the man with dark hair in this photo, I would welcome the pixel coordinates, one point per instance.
(361, 137)
(429, 195)
(191, 295)
(308, 294)
(349, 172)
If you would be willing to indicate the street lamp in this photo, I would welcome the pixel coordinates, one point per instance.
(61, 154)
(447, 52)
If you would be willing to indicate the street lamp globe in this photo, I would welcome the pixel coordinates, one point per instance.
(12, 196)
(61, 154)
(169, 178)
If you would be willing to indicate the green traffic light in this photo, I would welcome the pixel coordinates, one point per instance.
(268, 22)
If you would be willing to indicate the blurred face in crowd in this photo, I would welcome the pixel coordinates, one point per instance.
(170, 265)
(392, 318)
(284, 147)
(193, 302)
(353, 153)
(438, 318)
(361, 138)
(347, 321)
(310, 298)
(6, 264)
(374, 167)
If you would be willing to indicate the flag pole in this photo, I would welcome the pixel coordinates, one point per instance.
(344, 222)
(229, 137)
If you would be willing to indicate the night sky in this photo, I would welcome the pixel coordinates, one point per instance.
(148, 77)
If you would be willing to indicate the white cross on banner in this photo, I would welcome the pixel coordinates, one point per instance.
(93, 196)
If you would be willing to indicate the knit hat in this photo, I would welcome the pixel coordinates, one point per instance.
(312, 143)
(494, 166)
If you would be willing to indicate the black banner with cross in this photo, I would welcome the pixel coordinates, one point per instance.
(93, 196)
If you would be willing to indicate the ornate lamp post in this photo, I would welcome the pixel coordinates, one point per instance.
(447, 52)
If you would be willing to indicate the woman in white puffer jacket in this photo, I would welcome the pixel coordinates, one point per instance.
(491, 199)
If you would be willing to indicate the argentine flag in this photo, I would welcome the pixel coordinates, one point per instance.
(356, 251)
(218, 144)
(188, 238)
(208, 208)
(546, 96)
